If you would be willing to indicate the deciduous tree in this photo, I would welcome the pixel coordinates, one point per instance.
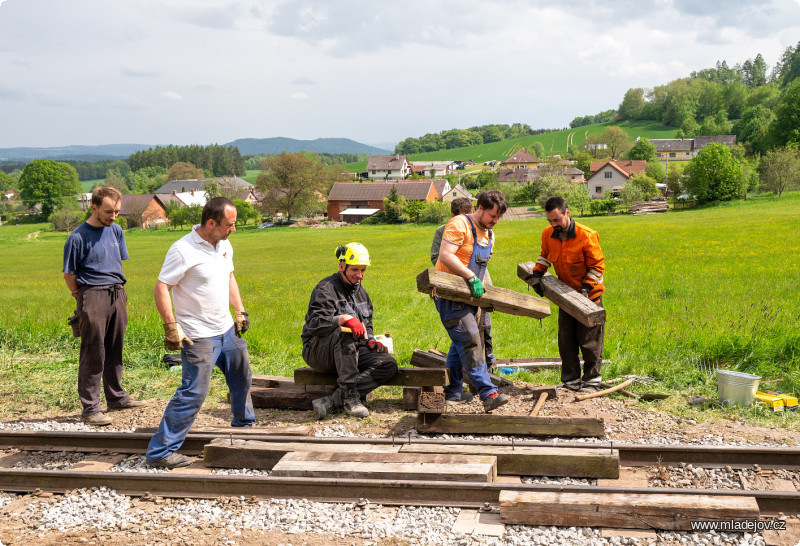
(184, 171)
(295, 184)
(642, 149)
(48, 182)
(616, 139)
(715, 175)
(780, 169)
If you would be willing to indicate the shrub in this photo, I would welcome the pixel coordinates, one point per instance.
(121, 222)
(66, 219)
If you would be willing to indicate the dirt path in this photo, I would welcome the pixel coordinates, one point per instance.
(34, 235)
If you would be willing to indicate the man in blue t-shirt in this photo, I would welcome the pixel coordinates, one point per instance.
(93, 257)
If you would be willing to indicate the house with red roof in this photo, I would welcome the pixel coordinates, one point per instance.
(521, 159)
(612, 175)
(354, 201)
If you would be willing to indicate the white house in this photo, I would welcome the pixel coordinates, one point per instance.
(388, 167)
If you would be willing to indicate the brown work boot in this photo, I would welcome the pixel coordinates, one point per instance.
(494, 401)
(130, 404)
(352, 403)
(98, 419)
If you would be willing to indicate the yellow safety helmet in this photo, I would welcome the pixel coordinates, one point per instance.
(353, 254)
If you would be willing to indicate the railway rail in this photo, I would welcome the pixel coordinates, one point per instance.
(391, 492)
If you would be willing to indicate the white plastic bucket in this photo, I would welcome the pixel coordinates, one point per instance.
(737, 387)
(386, 340)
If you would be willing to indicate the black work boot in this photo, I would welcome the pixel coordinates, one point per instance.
(327, 404)
(352, 403)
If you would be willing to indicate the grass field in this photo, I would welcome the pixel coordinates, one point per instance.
(687, 292)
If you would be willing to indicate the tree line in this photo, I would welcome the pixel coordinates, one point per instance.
(461, 138)
(216, 159)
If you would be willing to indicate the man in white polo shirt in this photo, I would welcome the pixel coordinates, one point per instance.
(198, 270)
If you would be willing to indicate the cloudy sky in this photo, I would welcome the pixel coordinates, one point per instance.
(204, 71)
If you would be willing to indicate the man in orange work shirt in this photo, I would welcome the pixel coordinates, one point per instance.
(467, 244)
(574, 251)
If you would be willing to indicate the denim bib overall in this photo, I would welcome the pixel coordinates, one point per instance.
(466, 353)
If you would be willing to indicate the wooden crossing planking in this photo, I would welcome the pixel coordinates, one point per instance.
(410, 377)
(431, 400)
(294, 397)
(222, 453)
(502, 300)
(463, 423)
(630, 511)
(97, 463)
(386, 466)
(536, 461)
(566, 298)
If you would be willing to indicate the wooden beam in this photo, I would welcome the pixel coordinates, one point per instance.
(502, 300)
(409, 377)
(387, 466)
(295, 398)
(536, 461)
(620, 510)
(224, 453)
(271, 381)
(411, 398)
(427, 359)
(566, 298)
(517, 425)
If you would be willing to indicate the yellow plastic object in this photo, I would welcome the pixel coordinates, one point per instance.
(773, 402)
(789, 402)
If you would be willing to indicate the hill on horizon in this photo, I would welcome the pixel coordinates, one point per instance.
(247, 146)
(276, 145)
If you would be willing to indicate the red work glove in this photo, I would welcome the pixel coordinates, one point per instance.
(375, 345)
(355, 325)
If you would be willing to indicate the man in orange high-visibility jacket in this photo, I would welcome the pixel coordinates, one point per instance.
(574, 251)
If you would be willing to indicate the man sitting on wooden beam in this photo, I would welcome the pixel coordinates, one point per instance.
(574, 251)
(338, 303)
(467, 244)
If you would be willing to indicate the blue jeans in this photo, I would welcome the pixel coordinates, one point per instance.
(466, 353)
(229, 353)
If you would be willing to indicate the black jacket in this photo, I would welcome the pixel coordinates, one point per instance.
(333, 297)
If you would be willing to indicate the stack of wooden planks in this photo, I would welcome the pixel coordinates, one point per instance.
(653, 206)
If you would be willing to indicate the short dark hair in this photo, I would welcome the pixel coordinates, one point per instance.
(215, 210)
(460, 205)
(101, 192)
(489, 198)
(556, 203)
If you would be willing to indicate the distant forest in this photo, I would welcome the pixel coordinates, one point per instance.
(461, 138)
(216, 159)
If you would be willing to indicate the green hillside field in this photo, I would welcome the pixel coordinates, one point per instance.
(555, 143)
(687, 292)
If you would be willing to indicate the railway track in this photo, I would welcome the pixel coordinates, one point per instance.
(202, 483)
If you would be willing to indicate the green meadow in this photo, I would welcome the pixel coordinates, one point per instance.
(687, 292)
(554, 142)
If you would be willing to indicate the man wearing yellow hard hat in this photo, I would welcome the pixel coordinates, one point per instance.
(337, 336)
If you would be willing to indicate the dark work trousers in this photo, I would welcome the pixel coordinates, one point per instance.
(573, 337)
(103, 317)
(353, 362)
(487, 339)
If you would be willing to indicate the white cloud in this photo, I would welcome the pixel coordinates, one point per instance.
(298, 95)
(171, 95)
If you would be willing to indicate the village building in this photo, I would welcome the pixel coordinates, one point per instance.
(458, 191)
(346, 199)
(684, 149)
(388, 167)
(611, 176)
(521, 159)
(433, 168)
